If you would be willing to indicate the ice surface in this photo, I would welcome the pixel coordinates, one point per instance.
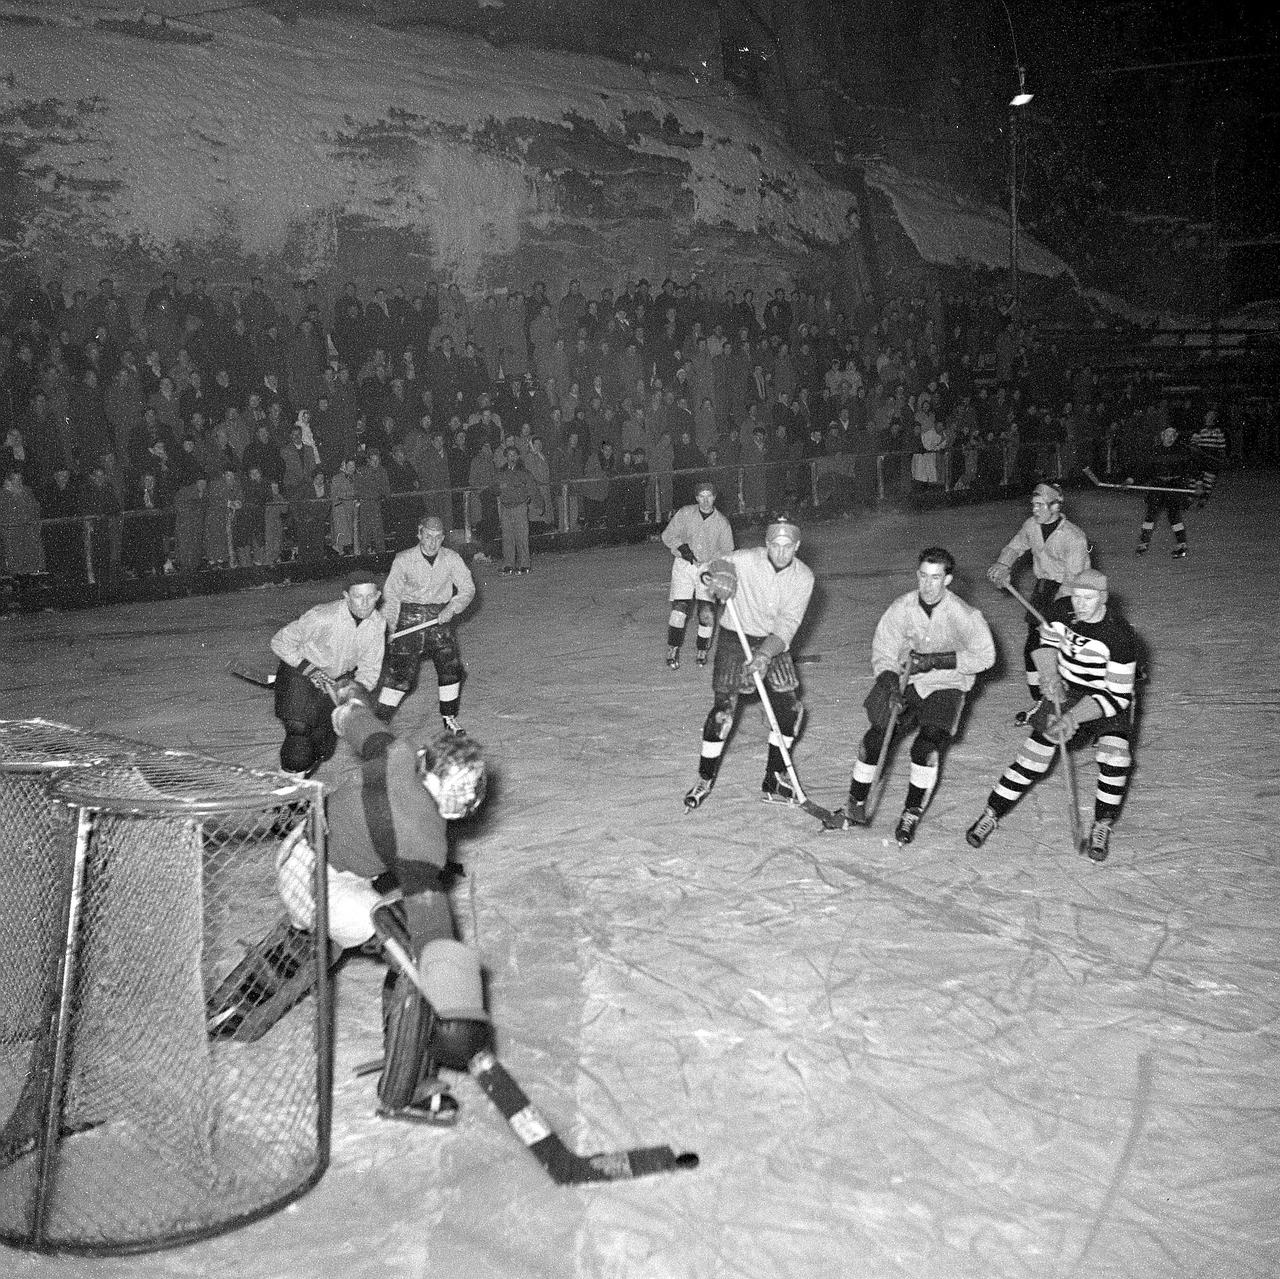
(895, 1064)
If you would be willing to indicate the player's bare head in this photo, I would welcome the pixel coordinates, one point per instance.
(453, 771)
(1088, 595)
(933, 573)
(782, 540)
(430, 533)
(361, 591)
(1046, 501)
(705, 495)
(1168, 435)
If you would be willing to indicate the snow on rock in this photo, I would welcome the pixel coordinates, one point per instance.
(949, 230)
(268, 139)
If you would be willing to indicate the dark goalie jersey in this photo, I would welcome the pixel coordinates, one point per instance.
(1098, 659)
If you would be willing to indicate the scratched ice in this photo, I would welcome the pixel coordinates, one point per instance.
(895, 1064)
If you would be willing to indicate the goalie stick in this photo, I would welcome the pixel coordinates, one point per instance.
(816, 810)
(528, 1123)
(1136, 488)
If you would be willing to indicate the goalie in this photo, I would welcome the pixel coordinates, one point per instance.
(388, 799)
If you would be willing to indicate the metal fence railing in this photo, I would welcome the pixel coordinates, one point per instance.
(197, 535)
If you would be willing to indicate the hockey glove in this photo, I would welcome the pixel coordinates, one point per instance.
(1000, 574)
(1061, 728)
(889, 686)
(685, 552)
(319, 680)
(918, 663)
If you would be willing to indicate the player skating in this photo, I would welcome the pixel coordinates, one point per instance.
(1088, 662)
(695, 535)
(927, 649)
(1167, 469)
(326, 646)
(1209, 451)
(770, 589)
(428, 583)
(1059, 549)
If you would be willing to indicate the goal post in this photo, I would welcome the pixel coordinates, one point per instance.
(137, 882)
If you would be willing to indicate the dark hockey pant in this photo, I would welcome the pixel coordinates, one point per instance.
(438, 644)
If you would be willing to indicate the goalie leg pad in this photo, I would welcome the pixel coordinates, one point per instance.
(451, 972)
(406, 1040)
(276, 974)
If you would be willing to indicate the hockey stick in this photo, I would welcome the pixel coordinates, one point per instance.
(1134, 488)
(253, 672)
(877, 789)
(528, 1123)
(822, 814)
(1068, 768)
(411, 630)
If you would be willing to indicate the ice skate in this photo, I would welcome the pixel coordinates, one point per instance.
(905, 831)
(438, 1108)
(776, 789)
(697, 793)
(978, 833)
(1142, 548)
(673, 657)
(1180, 552)
(1098, 845)
(451, 725)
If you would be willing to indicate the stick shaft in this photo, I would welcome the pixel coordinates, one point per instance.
(1068, 769)
(410, 630)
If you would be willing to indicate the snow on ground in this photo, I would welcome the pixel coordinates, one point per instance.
(895, 1064)
(266, 127)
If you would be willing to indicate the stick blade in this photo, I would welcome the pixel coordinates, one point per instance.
(544, 1144)
(824, 815)
(256, 671)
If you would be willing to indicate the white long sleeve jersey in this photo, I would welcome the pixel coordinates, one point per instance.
(770, 602)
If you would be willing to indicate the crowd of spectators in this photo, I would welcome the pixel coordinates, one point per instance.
(185, 429)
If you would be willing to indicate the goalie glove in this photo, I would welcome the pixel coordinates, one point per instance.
(721, 579)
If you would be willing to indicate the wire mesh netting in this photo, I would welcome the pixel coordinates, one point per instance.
(146, 969)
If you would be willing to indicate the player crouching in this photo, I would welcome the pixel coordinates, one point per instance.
(388, 801)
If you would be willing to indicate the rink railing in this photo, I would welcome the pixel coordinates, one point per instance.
(197, 534)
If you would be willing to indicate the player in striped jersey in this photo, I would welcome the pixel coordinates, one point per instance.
(1088, 661)
(1209, 449)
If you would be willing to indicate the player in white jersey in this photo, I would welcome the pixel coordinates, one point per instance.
(770, 589)
(927, 650)
(695, 535)
(427, 583)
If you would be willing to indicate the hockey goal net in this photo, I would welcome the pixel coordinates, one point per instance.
(136, 880)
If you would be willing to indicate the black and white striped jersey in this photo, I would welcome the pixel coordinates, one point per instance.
(1098, 658)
